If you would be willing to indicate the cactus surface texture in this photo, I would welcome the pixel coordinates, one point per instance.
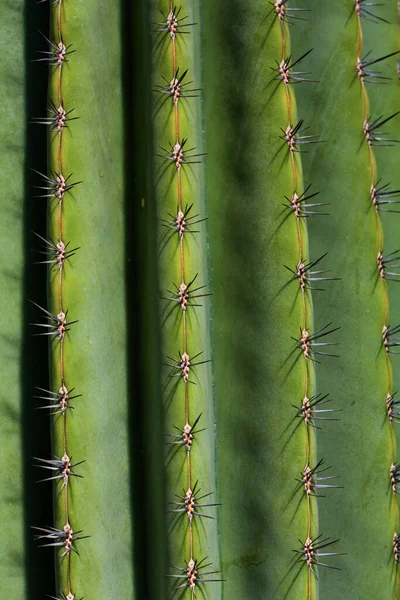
(200, 316)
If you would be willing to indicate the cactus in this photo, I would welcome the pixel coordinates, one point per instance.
(255, 167)
(88, 394)
(345, 169)
(183, 281)
(215, 208)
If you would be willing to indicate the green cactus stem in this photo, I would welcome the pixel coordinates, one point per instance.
(183, 281)
(363, 445)
(258, 211)
(89, 345)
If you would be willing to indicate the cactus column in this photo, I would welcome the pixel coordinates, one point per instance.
(92, 356)
(183, 280)
(362, 444)
(264, 336)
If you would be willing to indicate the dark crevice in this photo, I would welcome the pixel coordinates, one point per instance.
(145, 414)
(35, 424)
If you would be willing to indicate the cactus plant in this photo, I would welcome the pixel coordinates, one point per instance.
(215, 209)
(346, 169)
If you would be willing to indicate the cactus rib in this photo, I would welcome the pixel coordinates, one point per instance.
(343, 169)
(251, 173)
(295, 140)
(58, 185)
(183, 268)
(374, 138)
(96, 432)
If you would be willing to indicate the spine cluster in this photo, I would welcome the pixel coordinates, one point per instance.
(186, 296)
(56, 185)
(309, 276)
(383, 200)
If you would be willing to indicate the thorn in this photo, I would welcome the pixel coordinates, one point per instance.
(62, 596)
(62, 465)
(311, 552)
(182, 222)
(291, 135)
(309, 413)
(311, 481)
(395, 478)
(391, 261)
(186, 435)
(391, 404)
(172, 24)
(184, 294)
(384, 195)
(298, 204)
(60, 400)
(373, 136)
(58, 325)
(57, 253)
(193, 574)
(189, 503)
(396, 548)
(184, 365)
(57, 119)
(364, 13)
(62, 538)
(58, 52)
(178, 156)
(56, 185)
(371, 76)
(285, 13)
(388, 340)
(307, 342)
(305, 276)
(286, 74)
(176, 89)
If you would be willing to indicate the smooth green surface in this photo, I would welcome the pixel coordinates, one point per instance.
(364, 515)
(94, 292)
(205, 542)
(259, 374)
(12, 156)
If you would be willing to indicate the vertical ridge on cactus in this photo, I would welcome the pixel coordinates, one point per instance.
(344, 170)
(185, 336)
(255, 362)
(92, 357)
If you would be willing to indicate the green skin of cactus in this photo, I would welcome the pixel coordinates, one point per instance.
(200, 393)
(12, 131)
(365, 515)
(259, 372)
(95, 348)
